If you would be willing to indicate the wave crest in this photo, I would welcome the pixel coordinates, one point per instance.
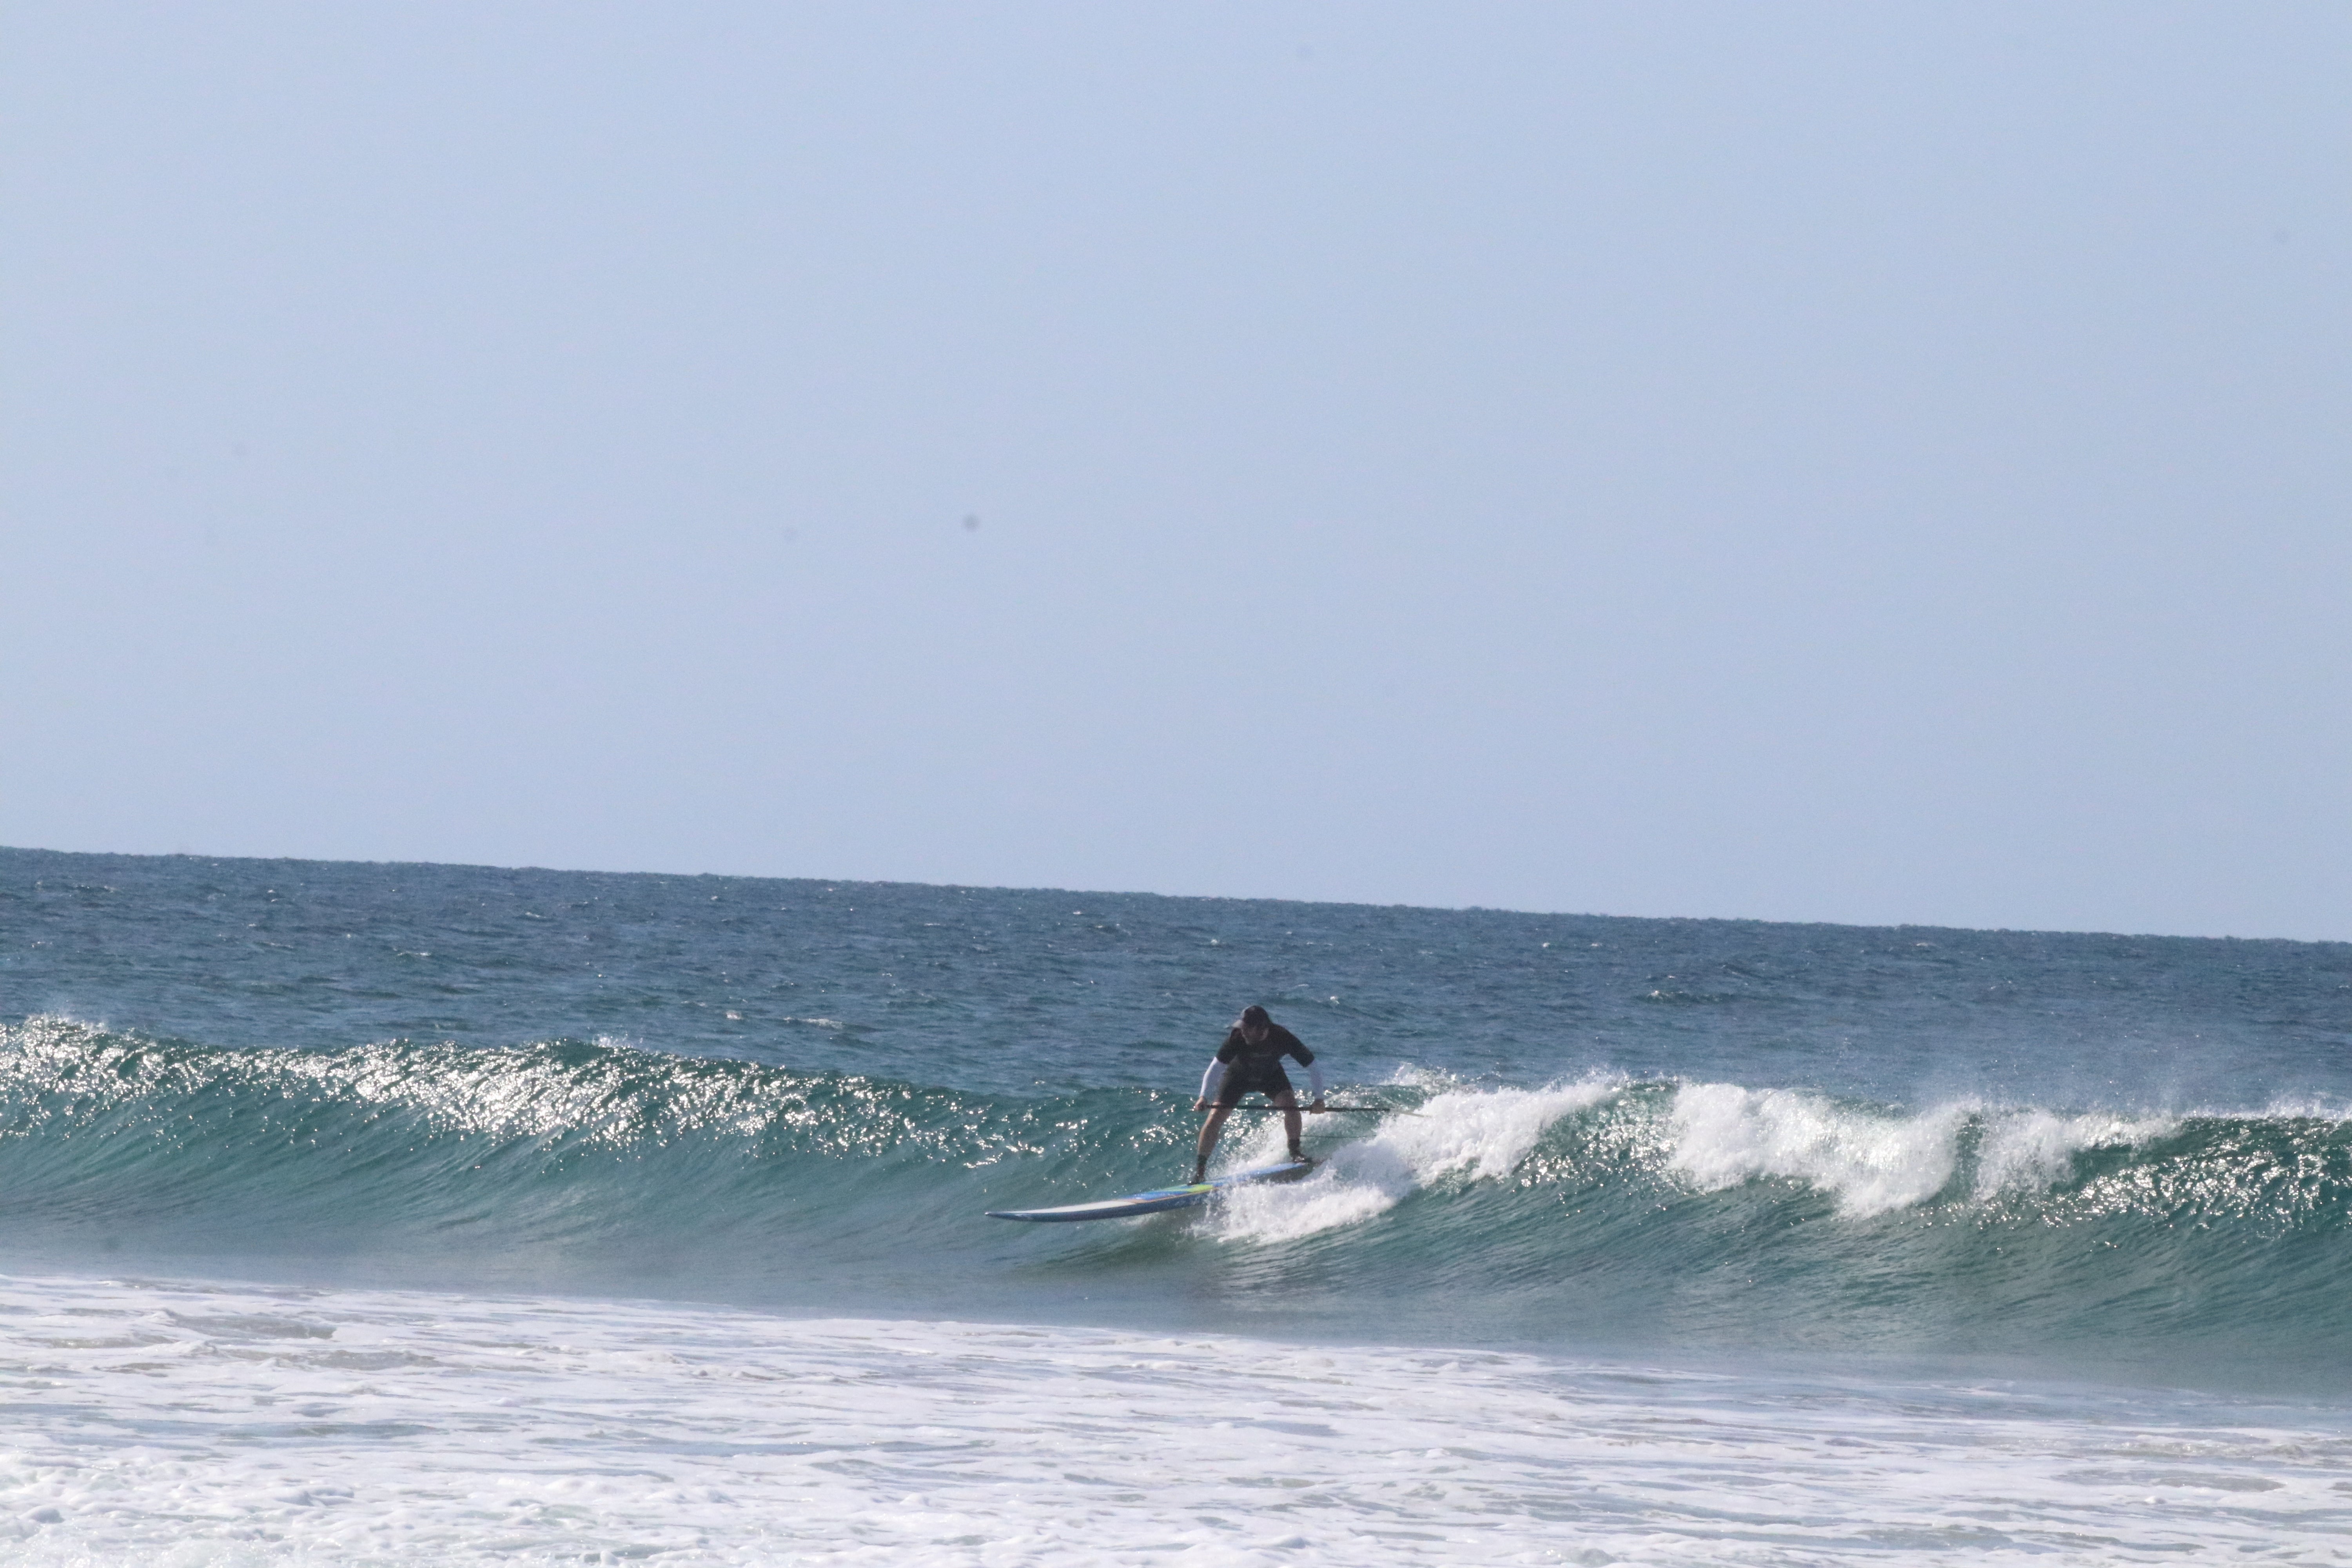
(1457, 1136)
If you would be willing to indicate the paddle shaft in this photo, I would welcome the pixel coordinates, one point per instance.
(1332, 1110)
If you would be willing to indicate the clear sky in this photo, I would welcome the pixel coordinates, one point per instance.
(1812, 462)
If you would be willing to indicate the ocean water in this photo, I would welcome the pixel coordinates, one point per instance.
(364, 1212)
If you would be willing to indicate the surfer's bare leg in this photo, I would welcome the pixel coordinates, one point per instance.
(1289, 1103)
(1209, 1131)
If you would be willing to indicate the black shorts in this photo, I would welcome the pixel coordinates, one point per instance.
(1240, 1081)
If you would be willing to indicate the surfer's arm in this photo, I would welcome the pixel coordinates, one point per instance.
(1298, 1052)
(1212, 1079)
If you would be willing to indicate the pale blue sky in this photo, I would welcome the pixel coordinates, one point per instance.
(1824, 462)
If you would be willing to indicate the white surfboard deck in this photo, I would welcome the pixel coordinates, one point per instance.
(1162, 1199)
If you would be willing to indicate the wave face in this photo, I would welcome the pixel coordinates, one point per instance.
(1585, 1132)
(1601, 1210)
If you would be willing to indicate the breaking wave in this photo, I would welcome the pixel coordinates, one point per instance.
(1603, 1208)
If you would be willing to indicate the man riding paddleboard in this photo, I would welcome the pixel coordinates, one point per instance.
(1251, 1060)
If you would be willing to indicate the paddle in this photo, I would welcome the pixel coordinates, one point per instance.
(1336, 1110)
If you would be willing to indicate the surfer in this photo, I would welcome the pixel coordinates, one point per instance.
(1251, 1058)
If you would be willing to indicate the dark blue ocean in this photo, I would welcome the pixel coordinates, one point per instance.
(2119, 1155)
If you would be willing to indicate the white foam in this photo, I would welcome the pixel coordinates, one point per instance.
(1461, 1136)
(1722, 1135)
(2027, 1149)
(176, 1424)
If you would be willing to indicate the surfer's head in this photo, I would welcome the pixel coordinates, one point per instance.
(1254, 1022)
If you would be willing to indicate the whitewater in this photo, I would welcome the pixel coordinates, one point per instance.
(411, 1214)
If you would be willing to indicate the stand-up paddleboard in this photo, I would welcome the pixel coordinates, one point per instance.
(1165, 1198)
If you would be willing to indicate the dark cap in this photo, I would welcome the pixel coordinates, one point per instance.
(1253, 1014)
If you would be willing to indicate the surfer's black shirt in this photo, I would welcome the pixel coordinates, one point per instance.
(1259, 1067)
